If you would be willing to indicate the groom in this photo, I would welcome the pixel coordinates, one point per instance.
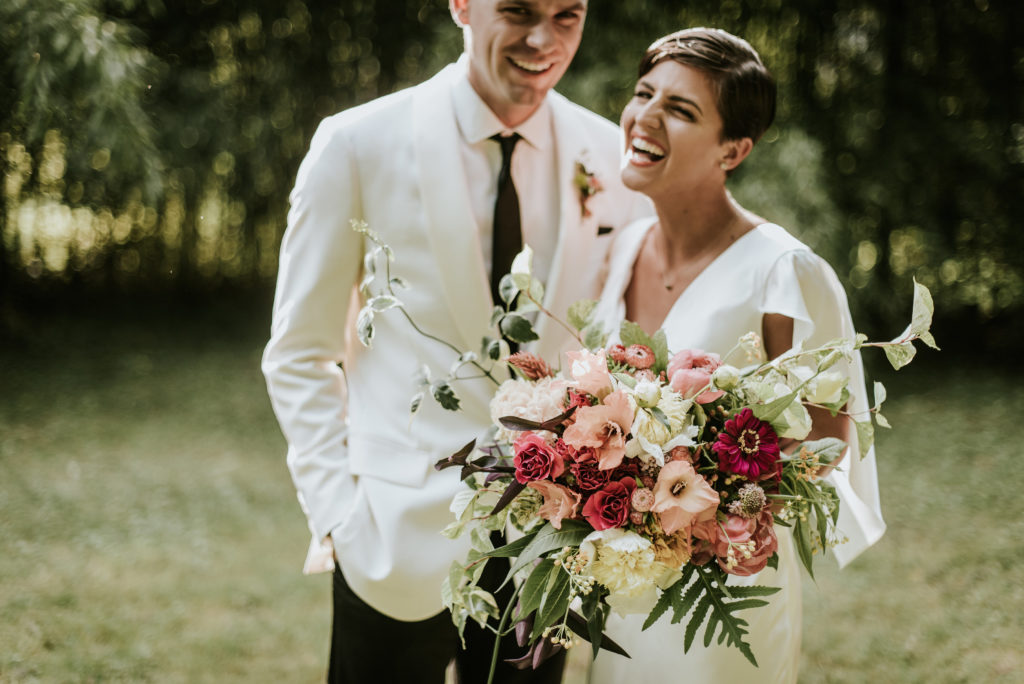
(455, 174)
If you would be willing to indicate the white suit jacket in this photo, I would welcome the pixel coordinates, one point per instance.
(362, 466)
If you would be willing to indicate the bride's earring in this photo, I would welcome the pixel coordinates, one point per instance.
(723, 166)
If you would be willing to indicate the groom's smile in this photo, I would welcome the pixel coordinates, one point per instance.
(518, 50)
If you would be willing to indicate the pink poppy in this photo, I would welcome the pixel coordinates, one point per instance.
(559, 502)
(682, 497)
(604, 428)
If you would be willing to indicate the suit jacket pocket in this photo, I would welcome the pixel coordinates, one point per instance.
(389, 460)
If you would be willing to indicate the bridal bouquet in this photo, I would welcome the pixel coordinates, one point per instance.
(640, 478)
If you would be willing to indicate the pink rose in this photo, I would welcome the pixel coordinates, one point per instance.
(559, 502)
(682, 497)
(765, 545)
(611, 506)
(604, 428)
(689, 371)
(535, 459)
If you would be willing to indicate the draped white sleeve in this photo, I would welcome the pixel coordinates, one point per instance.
(804, 287)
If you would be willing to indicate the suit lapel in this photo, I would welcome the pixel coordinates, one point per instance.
(454, 236)
(575, 232)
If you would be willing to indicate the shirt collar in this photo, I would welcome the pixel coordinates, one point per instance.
(477, 122)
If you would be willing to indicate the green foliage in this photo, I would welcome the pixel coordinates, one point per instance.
(182, 125)
(703, 589)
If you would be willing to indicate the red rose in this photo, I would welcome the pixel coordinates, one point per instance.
(611, 506)
(535, 459)
(588, 475)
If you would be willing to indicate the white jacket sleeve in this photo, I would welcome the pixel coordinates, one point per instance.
(320, 262)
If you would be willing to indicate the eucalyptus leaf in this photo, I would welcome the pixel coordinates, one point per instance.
(416, 402)
(364, 326)
(383, 303)
(507, 288)
(522, 264)
(924, 308)
(444, 395)
(594, 336)
(900, 355)
(517, 329)
(626, 379)
(879, 392)
(865, 436)
(630, 333)
(773, 409)
(580, 313)
(659, 345)
(881, 420)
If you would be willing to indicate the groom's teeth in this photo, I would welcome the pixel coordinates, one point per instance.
(535, 67)
(649, 147)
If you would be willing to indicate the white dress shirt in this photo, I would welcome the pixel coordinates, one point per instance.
(533, 172)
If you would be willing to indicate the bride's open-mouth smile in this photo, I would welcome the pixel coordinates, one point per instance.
(644, 151)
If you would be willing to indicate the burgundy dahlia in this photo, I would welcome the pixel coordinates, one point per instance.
(747, 446)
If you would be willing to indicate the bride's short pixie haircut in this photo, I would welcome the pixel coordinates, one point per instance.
(744, 88)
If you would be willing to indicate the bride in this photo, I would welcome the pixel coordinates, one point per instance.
(707, 271)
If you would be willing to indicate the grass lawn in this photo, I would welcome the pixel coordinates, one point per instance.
(149, 530)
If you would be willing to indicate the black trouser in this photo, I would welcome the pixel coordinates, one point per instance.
(368, 647)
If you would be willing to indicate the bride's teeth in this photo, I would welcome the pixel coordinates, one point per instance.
(532, 66)
(649, 147)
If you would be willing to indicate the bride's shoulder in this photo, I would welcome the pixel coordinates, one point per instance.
(777, 241)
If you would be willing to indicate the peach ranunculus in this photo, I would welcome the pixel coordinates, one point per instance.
(689, 371)
(559, 502)
(734, 538)
(765, 543)
(682, 497)
(603, 428)
(590, 371)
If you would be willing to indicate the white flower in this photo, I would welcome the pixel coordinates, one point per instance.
(537, 401)
(624, 562)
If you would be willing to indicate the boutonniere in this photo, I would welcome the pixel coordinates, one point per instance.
(587, 184)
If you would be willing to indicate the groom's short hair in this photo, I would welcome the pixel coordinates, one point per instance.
(743, 86)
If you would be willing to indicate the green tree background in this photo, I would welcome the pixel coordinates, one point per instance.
(149, 146)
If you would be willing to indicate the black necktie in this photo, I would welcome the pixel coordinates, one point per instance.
(507, 237)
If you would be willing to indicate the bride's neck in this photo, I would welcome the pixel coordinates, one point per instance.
(690, 229)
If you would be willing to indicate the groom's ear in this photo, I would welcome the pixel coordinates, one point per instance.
(735, 152)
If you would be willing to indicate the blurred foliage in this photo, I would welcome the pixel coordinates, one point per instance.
(152, 144)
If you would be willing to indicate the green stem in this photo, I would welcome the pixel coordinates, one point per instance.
(556, 319)
(501, 628)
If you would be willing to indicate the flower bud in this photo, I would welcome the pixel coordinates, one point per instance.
(726, 377)
(647, 393)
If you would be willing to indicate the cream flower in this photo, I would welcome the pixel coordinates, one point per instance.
(626, 564)
(537, 401)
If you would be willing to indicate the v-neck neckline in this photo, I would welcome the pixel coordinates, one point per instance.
(696, 279)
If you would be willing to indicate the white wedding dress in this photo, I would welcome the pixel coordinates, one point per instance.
(765, 271)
